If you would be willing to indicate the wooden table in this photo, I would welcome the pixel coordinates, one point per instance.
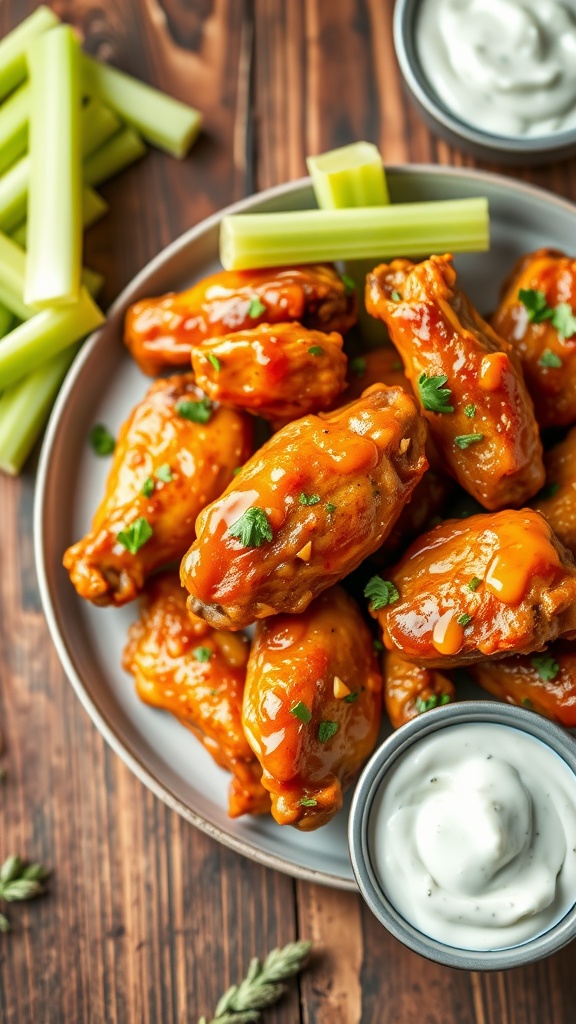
(147, 919)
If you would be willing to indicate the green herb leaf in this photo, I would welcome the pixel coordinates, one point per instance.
(470, 411)
(380, 593)
(433, 395)
(136, 535)
(148, 487)
(378, 645)
(465, 440)
(302, 712)
(445, 698)
(237, 470)
(11, 869)
(309, 499)
(20, 889)
(464, 619)
(546, 667)
(202, 653)
(326, 730)
(550, 360)
(164, 473)
(434, 701)
(474, 583)
(358, 366)
(256, 308)
(395, 296)
(214, 361)
(308, 802)
(563, 320)
(316, 350)
(101, 440)
(547, 492)
(536, 305)
(252, 529)
(526, 702)
(349, 283)
(197, 412)
(351, 697)
(330, 508)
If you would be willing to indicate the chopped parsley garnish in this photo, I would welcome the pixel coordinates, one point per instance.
(351, 697)
(465, 440)
(560, 316)
(302, 712)
(358, 366)
(550, 360)
(380, 592)
(464, 619)
(326, 730)
(316, 350)
(202, 653)
(256, 308)
(252, 529)
(214, 361)
(330, 508)
(309, 499)
(474, 583)
(395, 296)
(547, 492)
(545, 666)
(433, 395)
(470, 411)
(378, 645)
(433, 702)
(349, 283)
(164, 473)
(307, 802)
(148, 487)
(237, 470)
(197, 412)
(101, 440)
(526, 702)
(135, 536)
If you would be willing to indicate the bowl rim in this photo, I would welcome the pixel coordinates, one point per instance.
(552, 735)
(404, 23)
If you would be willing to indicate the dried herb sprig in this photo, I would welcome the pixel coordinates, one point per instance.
(19, 881)
(262, 986)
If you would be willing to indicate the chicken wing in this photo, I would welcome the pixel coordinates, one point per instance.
(411, 689)
(312, 706)
(161, 332)
(546, 682)
(487, 586)
(379, 366)
(557, 500)
(467, 379)
(280, 372)
(311, 504)
(175, 454)
(542, 330)
(196, 673)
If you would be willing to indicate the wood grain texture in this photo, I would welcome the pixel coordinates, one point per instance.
(148, 920)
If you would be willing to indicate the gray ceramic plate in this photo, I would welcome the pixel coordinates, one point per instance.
(102, 386)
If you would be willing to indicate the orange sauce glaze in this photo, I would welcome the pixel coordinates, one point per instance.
(518, 681)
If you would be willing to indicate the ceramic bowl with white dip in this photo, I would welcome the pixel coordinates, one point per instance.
(462, 835)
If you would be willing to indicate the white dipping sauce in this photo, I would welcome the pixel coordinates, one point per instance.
(505, 66)
(473, 836)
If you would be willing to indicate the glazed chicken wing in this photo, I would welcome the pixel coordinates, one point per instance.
(546, 682)
(411, 689)
(557, 500)
(311, 504)
(167, 466)
(312, 706)
(196, 673)
(280, 372)
(379, 366)
(487, 586)
(542, 330)
(160, 332)
(468, 380)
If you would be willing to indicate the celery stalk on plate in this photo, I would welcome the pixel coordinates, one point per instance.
(48, 332)
(13, 47)
(160, 119)
(119, 152)
(25, 407)
(308, 236)
(54, 203)
(14, 115)
(350, 176)
(6, 320)
(93, 208)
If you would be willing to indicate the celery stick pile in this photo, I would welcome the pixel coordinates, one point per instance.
(67, 124)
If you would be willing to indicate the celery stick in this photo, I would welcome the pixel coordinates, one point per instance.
(25, 407)
(14, 194)
(14, 114)
(119, 152)
(93, 281)
(160, 119)
(349, 176)
(308, 236)
(6, 320)
(93, 208)
(97, 125)
(12, 274)
(54, 203)
(37, 340)
(13, 47)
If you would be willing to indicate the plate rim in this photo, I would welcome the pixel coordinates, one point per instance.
(106, 729)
